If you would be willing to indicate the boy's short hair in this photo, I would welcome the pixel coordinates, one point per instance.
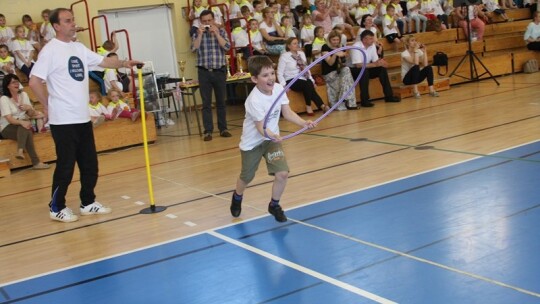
(284, 18)
(390, 7)
(244, 9)
(257, 63)
(3, 46)
(112, 54)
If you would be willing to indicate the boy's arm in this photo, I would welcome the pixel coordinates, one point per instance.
(260, 128)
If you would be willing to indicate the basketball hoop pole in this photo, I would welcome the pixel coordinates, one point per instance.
(152, 208)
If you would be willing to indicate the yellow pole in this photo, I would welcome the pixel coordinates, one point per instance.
(145, 139)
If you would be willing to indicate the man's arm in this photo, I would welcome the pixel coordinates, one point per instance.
(37, 86)
(115, 63)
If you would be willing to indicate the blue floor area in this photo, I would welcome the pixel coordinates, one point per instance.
(467, 233)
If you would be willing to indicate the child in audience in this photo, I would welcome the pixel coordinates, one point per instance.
(113, 79)
(246, 16)
(254, 145)
(46, 29)
(194, 14)
(257, 42)
(7, 63)
(401, 20)
(98, 112)
(390, 28)
(413, 13)
(122, 109)
(318, 42)
(97, 73)
(307, 34)
(380, 12)
(6, 33)
(31, 31)
(240, 38)
(491, 7)
(257, 10)
(361, 10)
(286, 12)
(287, 27)
(218, 15)
(23, 51)
(233, 9)
(339, 15)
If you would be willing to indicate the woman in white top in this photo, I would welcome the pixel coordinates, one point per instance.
(272, 34)
(15, 122)
(291, 63)
(414, 56)
(532, 34)
(367, 24)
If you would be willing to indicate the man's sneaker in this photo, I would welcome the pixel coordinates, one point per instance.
(236, 206)
(95, 208)
(65, 215)
(277, 212)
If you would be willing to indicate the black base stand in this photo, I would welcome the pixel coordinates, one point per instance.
(153, 209)
(473, 71)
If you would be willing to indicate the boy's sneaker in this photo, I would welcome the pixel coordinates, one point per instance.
(65, 215)
(236, 207)
(95, 208)
(277, 212)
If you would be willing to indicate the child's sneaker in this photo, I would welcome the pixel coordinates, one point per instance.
(95, 208)
(277, 212)
(236, 206)
(135, 115)
(65, 215)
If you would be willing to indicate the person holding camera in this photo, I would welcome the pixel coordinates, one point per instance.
(415, 54)
(336, 74)
(211, 44)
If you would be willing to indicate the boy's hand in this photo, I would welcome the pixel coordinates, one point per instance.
(310, 124)
(275, 137)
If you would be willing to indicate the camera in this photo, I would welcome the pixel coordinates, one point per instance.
(206, 27)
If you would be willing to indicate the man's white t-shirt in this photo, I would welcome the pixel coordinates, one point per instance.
(257, 105)
(64, 66)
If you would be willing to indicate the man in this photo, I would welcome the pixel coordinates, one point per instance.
(211, 43)
(375, 67)
(63, 64)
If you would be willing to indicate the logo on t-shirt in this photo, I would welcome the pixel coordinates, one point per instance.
(76, 68)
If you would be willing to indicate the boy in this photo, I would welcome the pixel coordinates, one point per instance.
(254, 145)
(240, 38)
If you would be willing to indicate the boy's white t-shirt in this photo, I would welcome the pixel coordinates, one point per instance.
(307, 34)
(240, 37)
(257, 105)
(23, 46)
(68, 88)
(386, 22)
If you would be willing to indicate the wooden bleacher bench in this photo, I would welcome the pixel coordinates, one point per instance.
(404, 91)
(108, 136)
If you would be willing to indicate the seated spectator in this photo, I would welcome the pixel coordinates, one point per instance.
(287, 27)
(413, 13)
(98, 112)
(340, 17)
(318, 42)
(475, 22)
(321, 16)
(257, 41)
(31, 31)
(258, 6)
(117, 105)
(381, 13)
(401, 20)
(240, 39)
(367, 24)
(234, 10)
(375, 68)
(15, 122)
(291, 63)
(532, 34)
(218, 15)
(114, 79)
(6, 33)
(531, 5)
(194, 13)
(307, 34)
(414, 56)
(7, 63)
(508, 4)
(390, 28)
(97, 73)
(491, 8)
(272, 34)
(361, 10)
(23, 51)
(46, 30)
(286, 12)
(432, 9)
(337, 75)
(246, 16)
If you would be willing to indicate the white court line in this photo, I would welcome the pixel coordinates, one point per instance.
(313, 273)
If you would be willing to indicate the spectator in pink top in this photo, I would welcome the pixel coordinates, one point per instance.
(321, 16)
